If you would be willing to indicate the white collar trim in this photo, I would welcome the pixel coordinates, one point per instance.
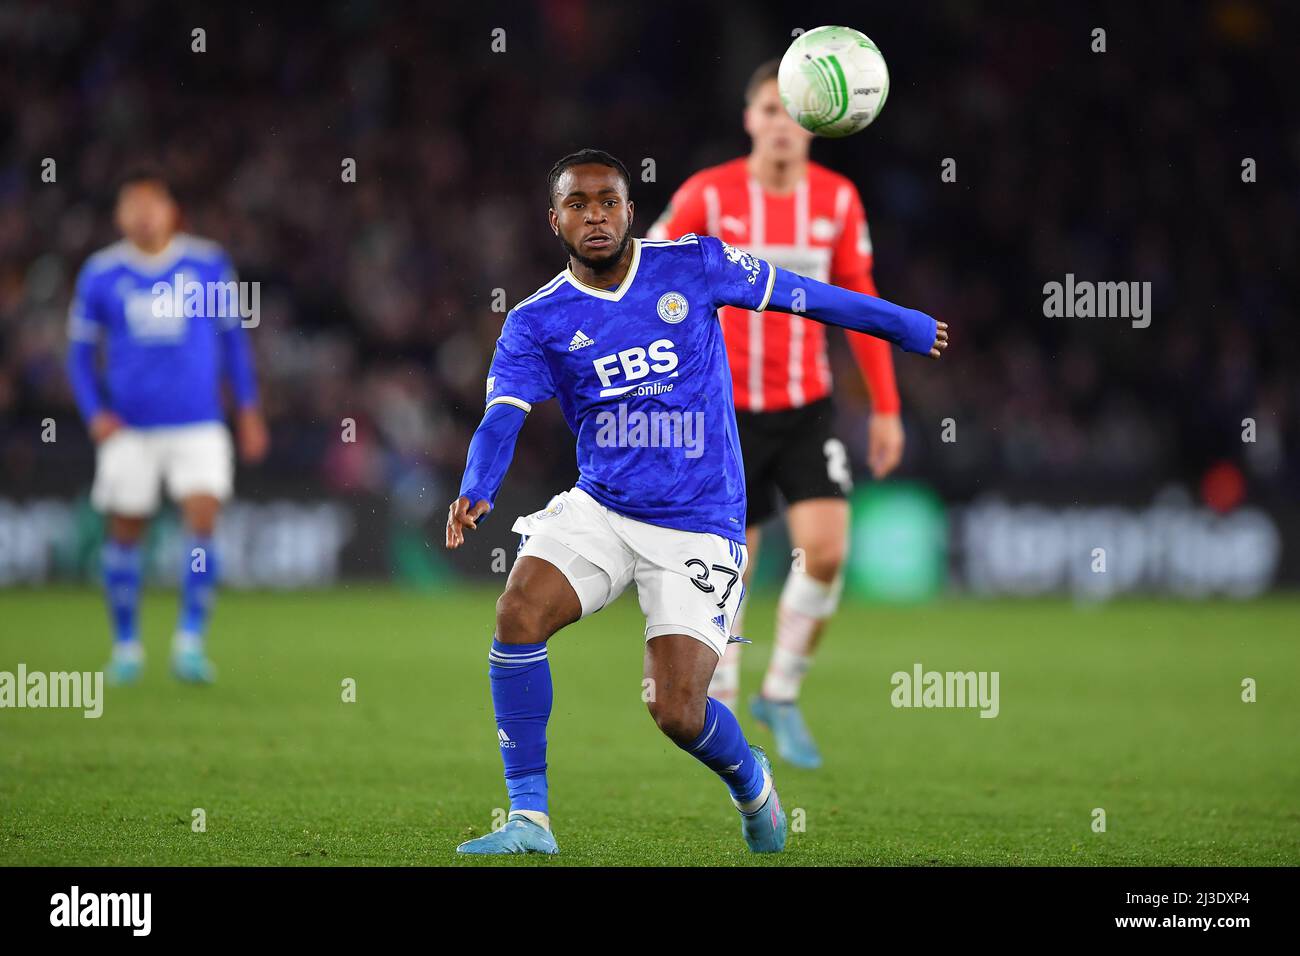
(614, 295)
(169, 254)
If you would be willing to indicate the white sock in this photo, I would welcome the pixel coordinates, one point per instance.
(749, 806)
(805, 603)
(785, 674)
(128, 650)
(183, 643)
(725, 685)
(543, 820)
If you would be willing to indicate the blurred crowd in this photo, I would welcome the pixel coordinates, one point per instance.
(377, 296)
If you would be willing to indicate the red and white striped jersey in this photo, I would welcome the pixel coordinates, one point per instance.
(779, 361)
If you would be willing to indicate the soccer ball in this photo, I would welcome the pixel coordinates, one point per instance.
(833, 81)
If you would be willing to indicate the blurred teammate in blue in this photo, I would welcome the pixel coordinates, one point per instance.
(165, 310)
(627, 339)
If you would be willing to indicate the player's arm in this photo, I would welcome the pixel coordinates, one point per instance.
(851, 262)
(85, 329)
(518, 379)
(686, 212)
(490, 452)
(737, 278)
(909, 329)
(237, 364)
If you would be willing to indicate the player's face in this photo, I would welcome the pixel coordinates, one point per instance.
(775, 134)
(591, 215)
(146, 214)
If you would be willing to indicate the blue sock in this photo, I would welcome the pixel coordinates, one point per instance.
(121, 566)
(520, 675)
(721, 746)
(198, 585)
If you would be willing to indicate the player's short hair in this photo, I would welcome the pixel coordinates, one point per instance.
(139, 175)
(581, 158)
(766, 71)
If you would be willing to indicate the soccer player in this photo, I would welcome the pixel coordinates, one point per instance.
(627, 339)
(801, 216)
(157, 414)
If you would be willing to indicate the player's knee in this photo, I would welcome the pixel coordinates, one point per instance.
(203, 525)
(126, 530)
(824, 559)
(519, 620)
(679, 719)
(200, 513)
(810, 596)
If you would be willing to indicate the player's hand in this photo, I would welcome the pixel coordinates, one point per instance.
(940, 340)
(884, 444)
(461, 516)
(103, 425)
(253, 438)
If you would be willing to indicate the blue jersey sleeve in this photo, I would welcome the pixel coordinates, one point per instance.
(237, 360)
(519, 374)
(85, 318)
(909, 329)
(85, 329)
(236, 353)
(490, 452)
(735, 277)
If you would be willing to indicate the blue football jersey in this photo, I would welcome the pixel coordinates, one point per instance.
(163, 363)
(641, 375)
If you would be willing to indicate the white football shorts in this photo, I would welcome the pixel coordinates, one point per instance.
(132, 463)
(688, 582)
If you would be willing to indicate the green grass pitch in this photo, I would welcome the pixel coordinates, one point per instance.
(1133, 707)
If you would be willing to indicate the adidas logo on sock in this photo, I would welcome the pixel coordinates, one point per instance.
(504, 739)
(580, 341)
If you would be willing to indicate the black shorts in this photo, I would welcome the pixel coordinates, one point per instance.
(794, 452)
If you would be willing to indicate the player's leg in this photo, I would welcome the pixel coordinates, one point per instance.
(813, 477)
(550, 587)
(198, 584)
(819, 531)
(122, 562)
(538, 601)
(687, 616)
(126, 489)
(199, 466)
(680, 667)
